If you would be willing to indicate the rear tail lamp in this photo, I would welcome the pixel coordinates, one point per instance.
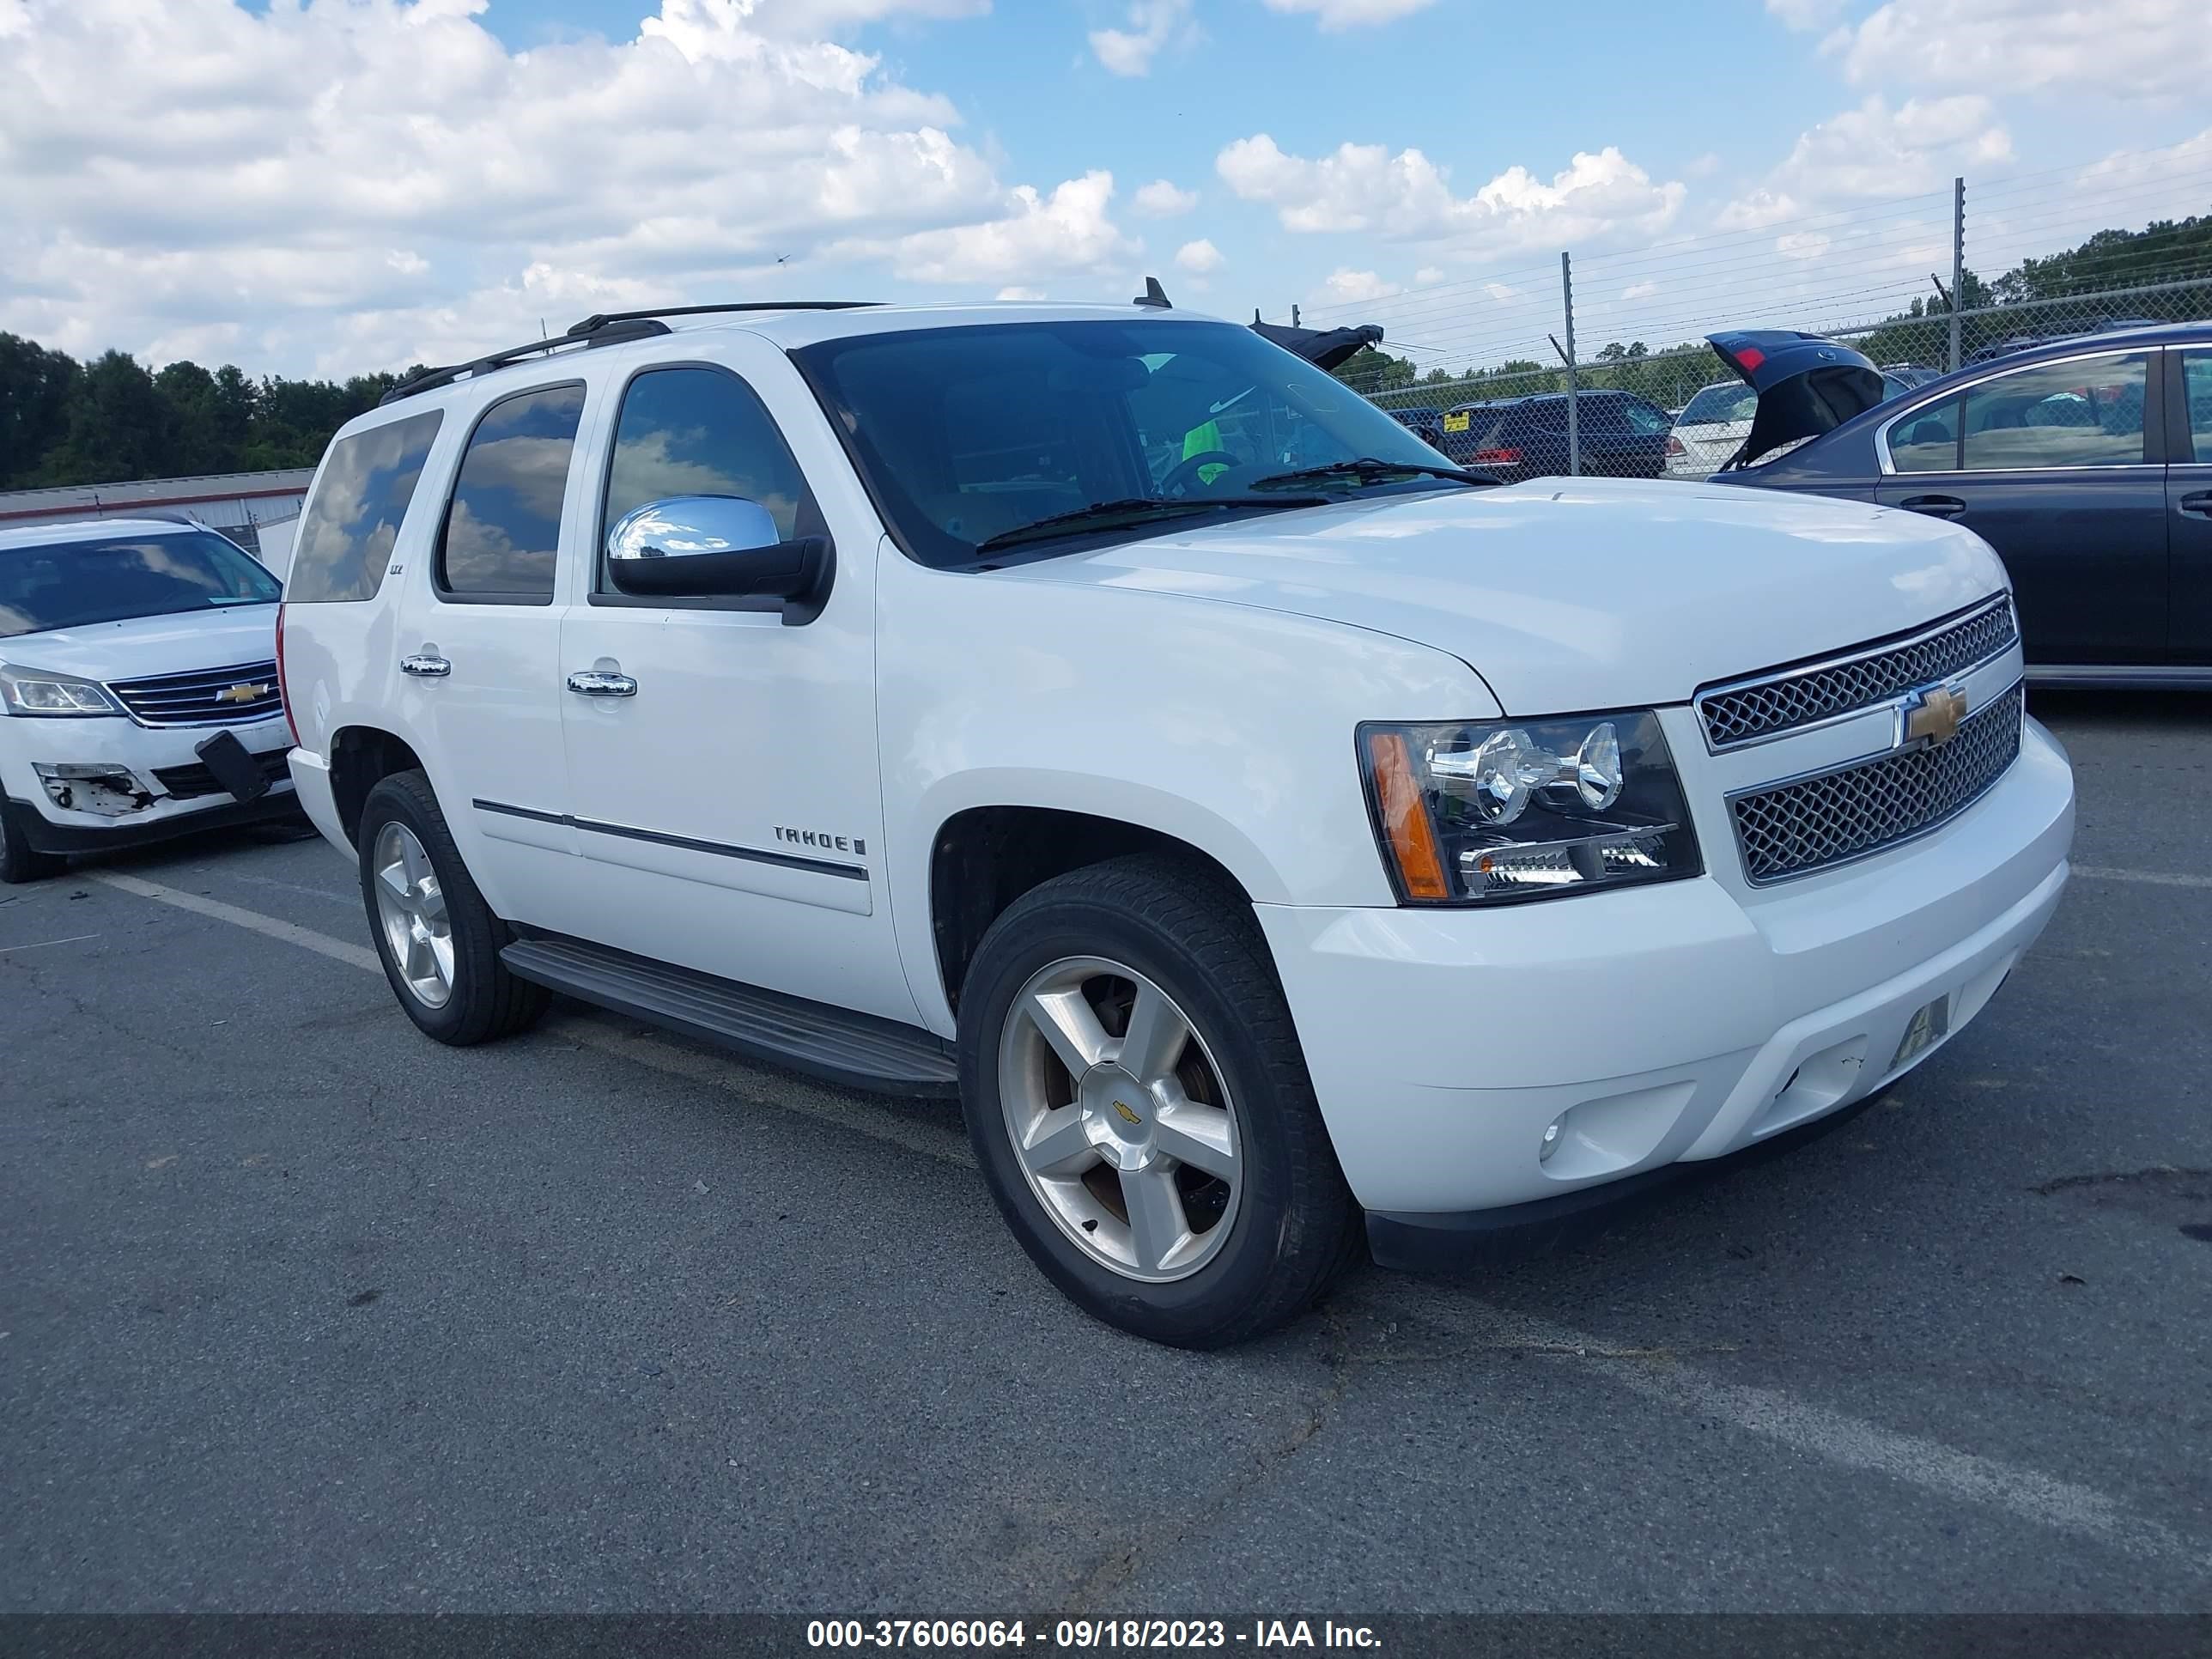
(283, 691)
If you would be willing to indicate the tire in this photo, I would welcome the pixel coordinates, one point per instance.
(1260, 1240)
(20, 861)
(481, 1000)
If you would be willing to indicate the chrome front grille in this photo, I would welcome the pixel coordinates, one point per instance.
(1813, 823)
(208, 696)
(1789, 699)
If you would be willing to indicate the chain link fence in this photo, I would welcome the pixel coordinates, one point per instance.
(1482, 368)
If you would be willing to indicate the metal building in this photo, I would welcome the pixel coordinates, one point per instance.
(239, 504)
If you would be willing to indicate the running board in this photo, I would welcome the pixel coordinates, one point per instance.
(858, 1050)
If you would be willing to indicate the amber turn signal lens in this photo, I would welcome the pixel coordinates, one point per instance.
(1405, 819)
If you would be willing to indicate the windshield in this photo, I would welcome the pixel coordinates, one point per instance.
(966, 435)
(72, 584)
(1718, 404)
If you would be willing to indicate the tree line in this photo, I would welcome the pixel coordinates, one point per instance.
(2013, 306)
(112, 420)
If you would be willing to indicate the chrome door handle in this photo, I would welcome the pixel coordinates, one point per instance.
(425, 667)
(596, 683)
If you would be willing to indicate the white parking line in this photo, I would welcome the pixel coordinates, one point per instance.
(73, 938)
(915, 1134)
(306, 938)
(2153, 877)
(1832, 1437)
(1814, 1431)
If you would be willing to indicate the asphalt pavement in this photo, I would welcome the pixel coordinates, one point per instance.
(300, 1311)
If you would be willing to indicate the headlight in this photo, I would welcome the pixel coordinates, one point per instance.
(34, 691)
(1509, 810)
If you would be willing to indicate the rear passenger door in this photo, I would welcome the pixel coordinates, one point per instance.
(2188, 505)
(2049, 465)
(478, 649)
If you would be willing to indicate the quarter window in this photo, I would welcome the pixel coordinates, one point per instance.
(2088, 412)
(503, 535)
(361, 499)
(702, 432)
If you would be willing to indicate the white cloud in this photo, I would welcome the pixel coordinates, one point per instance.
(1351, 14)
(365, 185)
(1153, 26)
(1067, 231)
(1019, 293)
(1199, 257)
(1346, 286)
(1407, 197)
(1803, 244)
(1639, 290)
(1162, 199)
(1429, 276)
(2126, 48)
(1873, 152)
(1805, 14)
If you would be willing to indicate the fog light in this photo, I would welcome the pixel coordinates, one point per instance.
(1551, 1142)
(110, 791)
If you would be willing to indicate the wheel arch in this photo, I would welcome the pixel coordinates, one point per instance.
(362, 757)
(984, 856)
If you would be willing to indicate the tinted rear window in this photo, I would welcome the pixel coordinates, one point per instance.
(347, 534)
(76, 584)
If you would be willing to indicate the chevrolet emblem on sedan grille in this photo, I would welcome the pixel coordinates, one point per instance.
(1931, 716)
(251, 691)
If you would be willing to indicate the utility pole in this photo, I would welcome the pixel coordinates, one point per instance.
(1958, 263)
(1574, 420)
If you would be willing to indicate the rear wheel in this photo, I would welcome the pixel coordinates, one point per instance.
(1140, 1108)
(438, 940)
(20, 861)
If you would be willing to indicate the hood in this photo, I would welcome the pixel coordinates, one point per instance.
(1572, 595)
(144, 645)
(1807, 385)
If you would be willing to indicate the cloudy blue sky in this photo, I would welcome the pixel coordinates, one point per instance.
(330, 186)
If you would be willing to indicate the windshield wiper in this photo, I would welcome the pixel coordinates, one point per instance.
(1368, 469)
(1129, 510)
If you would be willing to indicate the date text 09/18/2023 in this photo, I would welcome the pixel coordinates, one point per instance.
(1080, 1635)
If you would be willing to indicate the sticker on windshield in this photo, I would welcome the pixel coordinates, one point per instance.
(1456, 423)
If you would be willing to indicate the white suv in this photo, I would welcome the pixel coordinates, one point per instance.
(1270, 851)
(137, 688)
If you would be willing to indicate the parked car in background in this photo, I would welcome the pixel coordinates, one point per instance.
(1714, 424)
(1264, 855)
(138, 696)
(1621, 436)
(1427, 424)
(2086, 463)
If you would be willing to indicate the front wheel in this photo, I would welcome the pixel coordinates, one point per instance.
(20, 861)
(1141, 1109)
(439, 941)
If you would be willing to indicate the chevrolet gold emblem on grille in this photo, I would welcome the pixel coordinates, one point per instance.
(251, 691)
(1127, 1117)
(1932, 716)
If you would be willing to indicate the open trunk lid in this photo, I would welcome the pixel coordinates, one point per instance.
(1807, 385)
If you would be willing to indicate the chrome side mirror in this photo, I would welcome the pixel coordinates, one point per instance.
(686, 526)
(717, 546)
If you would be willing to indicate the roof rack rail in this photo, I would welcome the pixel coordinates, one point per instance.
(599, 320)
(613, 332)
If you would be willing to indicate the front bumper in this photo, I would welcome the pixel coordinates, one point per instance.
(25, 745)
(1677, 1023)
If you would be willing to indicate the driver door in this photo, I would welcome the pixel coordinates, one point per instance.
(722, 760)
